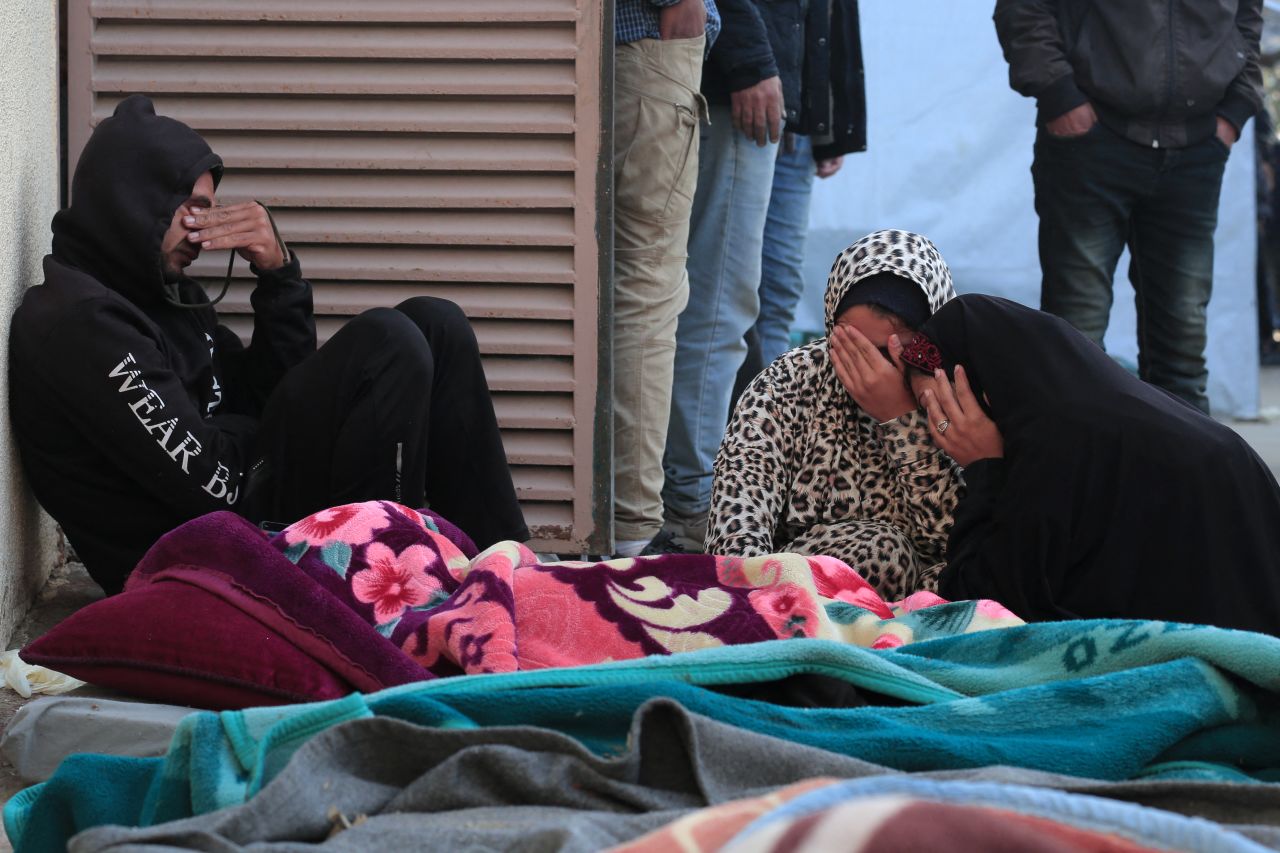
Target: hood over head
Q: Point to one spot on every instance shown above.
(134, 172)
(901, 253)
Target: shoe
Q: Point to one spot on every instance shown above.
(690, 531)
(663, 543)
(630, 547)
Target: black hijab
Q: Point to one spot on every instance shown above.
(1114, 498)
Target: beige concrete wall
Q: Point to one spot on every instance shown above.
(28, 200)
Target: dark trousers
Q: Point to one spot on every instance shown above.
(1098, 192)
(393, 407)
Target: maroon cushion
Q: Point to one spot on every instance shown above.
(231, 559)
(178, 642)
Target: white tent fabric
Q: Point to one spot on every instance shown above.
(949, 156)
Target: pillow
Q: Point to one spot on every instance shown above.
(216, 617)
(177, 642)
(234, 561)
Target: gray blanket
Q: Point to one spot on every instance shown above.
(384, 784)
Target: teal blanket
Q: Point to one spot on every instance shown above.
(1101, 699)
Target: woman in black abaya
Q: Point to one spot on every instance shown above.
(1090, 493)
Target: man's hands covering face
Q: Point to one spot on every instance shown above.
(874, 382)
(243, 227)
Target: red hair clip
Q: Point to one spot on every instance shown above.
(922, 353)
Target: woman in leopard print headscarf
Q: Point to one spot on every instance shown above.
(804, 468)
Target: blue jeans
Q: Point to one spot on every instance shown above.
(1099, 191)
(782, 261)
(735, 178)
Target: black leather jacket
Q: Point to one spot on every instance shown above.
(815, 47)
(1156, 71)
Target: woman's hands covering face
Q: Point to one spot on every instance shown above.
(874, 382)
(957, 422)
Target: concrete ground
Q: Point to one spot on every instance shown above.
(69, 588)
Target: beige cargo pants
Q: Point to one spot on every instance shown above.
(657, 107)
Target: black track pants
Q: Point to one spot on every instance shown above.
(393, 407)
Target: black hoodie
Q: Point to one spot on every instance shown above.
(132, 414)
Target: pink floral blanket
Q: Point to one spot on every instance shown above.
(421, 585)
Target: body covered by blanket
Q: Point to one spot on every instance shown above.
(371, 595)
(503, 610)
(1164, 703)
(528, 788)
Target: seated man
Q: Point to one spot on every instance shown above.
(826, 452)
(134, 411)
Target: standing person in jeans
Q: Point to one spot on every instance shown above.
(660, 45)
(1138, 106)
(752, 84)
(832, 123)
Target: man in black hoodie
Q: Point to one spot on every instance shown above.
(135, 411)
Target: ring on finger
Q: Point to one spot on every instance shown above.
(943, 424)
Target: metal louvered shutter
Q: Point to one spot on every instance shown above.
(406, 147)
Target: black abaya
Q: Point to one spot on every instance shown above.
(1114, 498)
